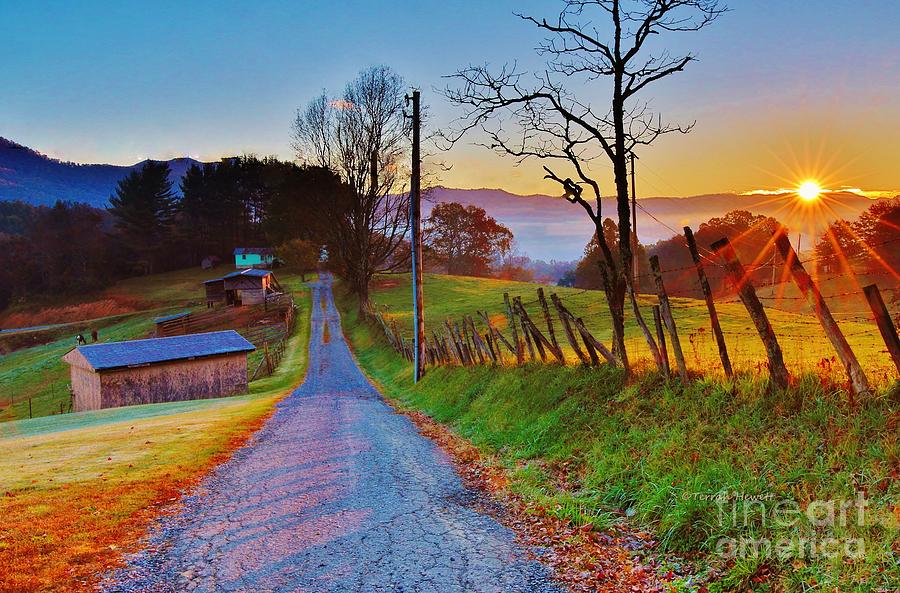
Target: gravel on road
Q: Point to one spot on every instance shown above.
(337, 493)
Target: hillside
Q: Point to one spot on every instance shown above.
(28, 175)
(585, 446)
(34, 381)
(804, 344)
(550, 228)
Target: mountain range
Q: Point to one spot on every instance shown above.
(35, 178)
(545, 227)
(553, 228)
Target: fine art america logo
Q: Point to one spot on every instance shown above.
(823, 529)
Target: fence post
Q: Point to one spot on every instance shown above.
(884, 322)
(661, 338)
(268, 359)
(736, 273)
(710, 304)
(29, 408)
(557, 351)
(517, 309)
(520, 353)
(592, 352)
(668, 318)
(809, 289)
(567, 328)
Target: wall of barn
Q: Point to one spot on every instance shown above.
(202, 378)
(86, 387)
(253, 297)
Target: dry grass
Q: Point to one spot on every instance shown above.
(78, 491)
(73, 503)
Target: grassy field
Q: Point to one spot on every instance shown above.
(37, 376)
(684, 462)
(806, 349)
(79, 490)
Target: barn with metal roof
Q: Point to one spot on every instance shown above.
(243, 287)
(194, 366)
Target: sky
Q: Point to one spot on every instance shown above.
(784, 90)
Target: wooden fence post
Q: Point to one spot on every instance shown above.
(557, 351)
(567, 328)
(661, 338)
(858, 380)
(710, 303)
(738, 276)
(592, 352)
(884, 322)
(520, 354)
(268, 359)
(29, 408)
(517, 309)
(639, 319)
(668, 318)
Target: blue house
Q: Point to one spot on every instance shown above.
(254, 257)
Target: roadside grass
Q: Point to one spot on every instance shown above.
(806, 348)
(584, 445)
(38, 374)
(80, 490)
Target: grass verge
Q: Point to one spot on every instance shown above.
(80, 490)
(693, 464)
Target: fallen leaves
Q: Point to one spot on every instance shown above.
(612, 561)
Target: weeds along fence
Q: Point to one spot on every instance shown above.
(553, 333)
(271, 345)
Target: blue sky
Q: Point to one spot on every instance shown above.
(783, 88)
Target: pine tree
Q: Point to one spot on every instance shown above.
(145, 208)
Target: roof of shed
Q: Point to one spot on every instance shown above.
(254, 272)
(254, 251)
(251, 272)
(114, 355)
(171, 317)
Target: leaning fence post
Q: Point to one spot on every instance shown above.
(520, 353)
(809, 289)
(883, 320)
(710, 304)
(668, 318)
(557, 351)
(738, 276)
(567, 328)
(517, 308)
(592, 352)
(661, 338)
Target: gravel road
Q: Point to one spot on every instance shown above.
(337, 493)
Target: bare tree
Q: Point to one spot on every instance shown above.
(363, 137)
(534, 115)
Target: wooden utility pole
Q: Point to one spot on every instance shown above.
(710, 304)
(738, 276)
(415, 224)
(820, 308)
(884, 322)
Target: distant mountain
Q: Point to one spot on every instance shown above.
(545, 227)
(549, 227)
(28, 175)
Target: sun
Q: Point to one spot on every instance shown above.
(809, 190)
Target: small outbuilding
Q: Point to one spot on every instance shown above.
(179, 368)
(254, 257)
(244, 287)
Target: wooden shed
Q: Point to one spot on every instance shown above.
(244, 287)
(195, 366)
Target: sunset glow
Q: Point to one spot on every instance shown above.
(809, 190)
